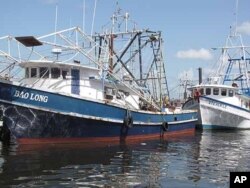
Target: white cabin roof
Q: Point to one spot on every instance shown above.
(213, 86)
(46, 63)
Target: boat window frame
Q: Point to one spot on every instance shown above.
(208, 89)
(43, 74)
(64, 76)
(246, 104)
(216, 91)
(53, 73)
(230, 92)
(223, 92)
(201, 91)
(31, 74)
(27, 72)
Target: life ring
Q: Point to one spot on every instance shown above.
(128, 120)
(164, 126)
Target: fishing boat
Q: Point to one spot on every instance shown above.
(69, 86)
(223, 101)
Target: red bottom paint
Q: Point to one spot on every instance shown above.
(112, 140)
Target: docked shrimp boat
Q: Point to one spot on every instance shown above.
(224, 101)
(85, 88)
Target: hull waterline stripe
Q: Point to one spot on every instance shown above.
(104, 139)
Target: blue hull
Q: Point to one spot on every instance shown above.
(36, 114)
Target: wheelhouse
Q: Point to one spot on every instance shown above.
(214, 90)
(56, 70)
(229, 94)
(75, 78)
(46, 72)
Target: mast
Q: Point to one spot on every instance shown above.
(56, 23)
(135, 56)
(234, 61)
(236, 16)
(93, 19)
(140, 58)
(83, 15)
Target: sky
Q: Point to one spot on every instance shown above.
(191, 28)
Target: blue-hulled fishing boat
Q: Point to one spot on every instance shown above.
(69, 86)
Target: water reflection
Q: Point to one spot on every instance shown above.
(222, 152)
(201, 160)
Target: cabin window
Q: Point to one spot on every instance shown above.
(208, 91)
(202, 91)
(33, 72)
(230, 93)
(55, 72)
(44, 72)
(27, 73)
(64, 73)
(223, 92)
(216, 91)
(246, 104)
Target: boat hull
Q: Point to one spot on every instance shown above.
(219, 115)
(35, 126)
(30, 121)
(193, 104)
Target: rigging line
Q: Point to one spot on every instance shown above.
(93, 19)
(83, 16)
(55, 23)
(127, 104)
(6, 68)
(175, 87)
(236, 16)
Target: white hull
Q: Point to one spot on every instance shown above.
(223, 100)
(193, 104)
(216, 114)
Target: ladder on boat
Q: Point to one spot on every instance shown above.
(161, 72)
(242, 77)
(103, 51)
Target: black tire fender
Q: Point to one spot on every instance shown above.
(128, 119)
(164, 126)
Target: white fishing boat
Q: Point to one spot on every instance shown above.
(223, 101)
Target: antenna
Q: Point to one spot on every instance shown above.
(55, 23)
(55, 50)
(93, 20)
(83, 16)
(236, 16)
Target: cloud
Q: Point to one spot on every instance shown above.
(195, 54)
(244, 28)
(50, 1)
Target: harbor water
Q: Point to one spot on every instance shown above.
(203, 159)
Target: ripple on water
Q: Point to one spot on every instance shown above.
(204, 160)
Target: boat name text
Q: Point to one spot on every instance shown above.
(31, 96)
(217, 104)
